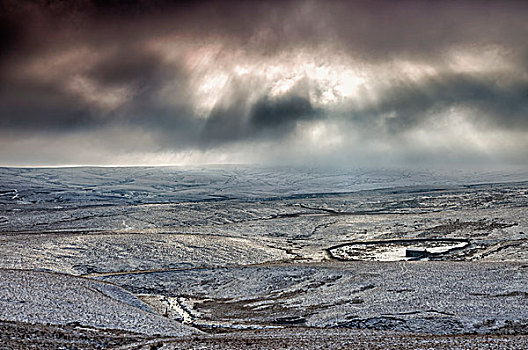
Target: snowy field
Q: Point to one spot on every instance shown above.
(240, 249)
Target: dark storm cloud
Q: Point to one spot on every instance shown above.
(380, 29)
(40, 106)
(404, 105)
(281, 112)
(266, 118)
(69, 66)
(128, 66)
(370, 28)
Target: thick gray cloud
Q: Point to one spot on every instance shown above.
(411, 103)
(40, 106)
(266, 118)
(214, 75)
(282, 112)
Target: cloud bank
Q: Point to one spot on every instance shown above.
(359, 83)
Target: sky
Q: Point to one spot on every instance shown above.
(266, 82)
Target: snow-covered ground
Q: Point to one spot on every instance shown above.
(248, 247)
(43, 297)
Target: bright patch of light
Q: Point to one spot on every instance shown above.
(486, 59)
(209, 90)
(282, 86)
(319, 137)
(325, 80)
(412, 70)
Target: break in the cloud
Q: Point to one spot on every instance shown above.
(163, 82)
